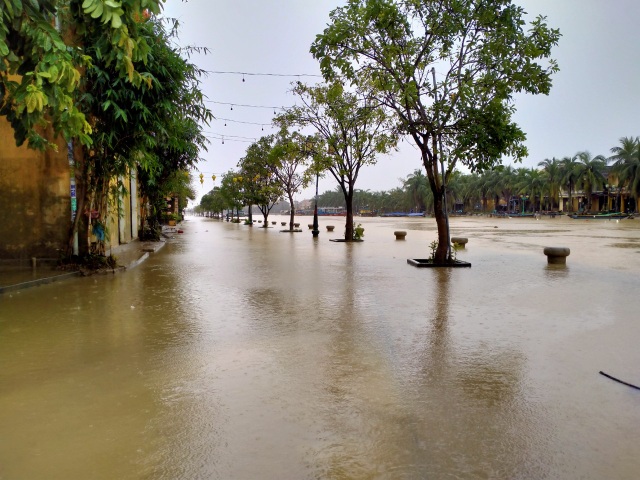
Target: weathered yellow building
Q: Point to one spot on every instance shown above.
(36, 194)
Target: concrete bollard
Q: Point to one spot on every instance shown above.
(461, 241)
(34, 262)
(273, 223)
(283, 224)
(557, 255)
(330, 228)
(310, 225)
(400, 234)
(296, 225)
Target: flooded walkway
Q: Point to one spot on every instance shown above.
(241, 353)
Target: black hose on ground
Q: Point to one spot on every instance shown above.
(619, 381)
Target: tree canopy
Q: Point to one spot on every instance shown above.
(42, 57)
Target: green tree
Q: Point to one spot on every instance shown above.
(232, 192)
(332, 198)
(152, 127)
(569, 177)
(626, 166)
(531, 184)
(417, 186)
(354, 127)
(288, 160)
(40, 65)
(553, 178)
(264, 190)
(483, 54)
(212, 202)
(590, 174)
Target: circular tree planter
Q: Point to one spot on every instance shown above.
(310, 225)
(428, 263)
(400, 234)
(283, 223)
(330, 228)
(296, 225)
(461, 241)
(273, 223)
(557, 255)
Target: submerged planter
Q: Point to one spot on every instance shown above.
(460, 241)
(557, 255)
(428, 263)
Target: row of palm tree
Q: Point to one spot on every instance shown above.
(533, 189)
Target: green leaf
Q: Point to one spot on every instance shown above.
(98, 10)
(116, 22)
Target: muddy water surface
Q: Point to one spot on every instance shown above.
(243, 353)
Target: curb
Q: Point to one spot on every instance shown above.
(38, 282)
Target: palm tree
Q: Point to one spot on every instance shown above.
(553, 175)
(590, 174)
(626, 165)
(417, 185)
(531, 182)
(568, 177)
(505, 183)
(485, 184)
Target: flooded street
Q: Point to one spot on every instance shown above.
(244, 353)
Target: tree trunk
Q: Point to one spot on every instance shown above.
(570, 198)
(443, 234)
(348, 230)
(250, 215)
(437, 189)
(292, 212)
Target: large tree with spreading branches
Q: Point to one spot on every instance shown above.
(449, 70)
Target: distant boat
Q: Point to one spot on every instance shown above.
(402, 214)
(600, 216)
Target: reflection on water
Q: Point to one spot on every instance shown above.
(241, 352)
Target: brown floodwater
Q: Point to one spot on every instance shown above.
(244, 353)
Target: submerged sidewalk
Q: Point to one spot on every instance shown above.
(25, 275)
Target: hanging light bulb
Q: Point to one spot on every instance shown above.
(223, 140)
(225, 124)
(213, 177)
(231, 107)
(243, 77)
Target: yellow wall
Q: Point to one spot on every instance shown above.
(35, 204)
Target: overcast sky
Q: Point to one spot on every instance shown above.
(595, 99)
